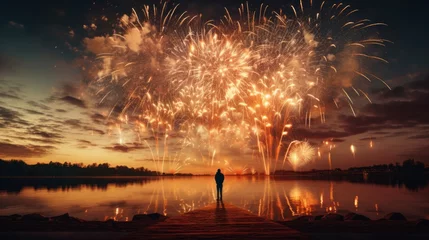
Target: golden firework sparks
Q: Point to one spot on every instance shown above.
(241, 82)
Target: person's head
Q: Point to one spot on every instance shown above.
(218, 170)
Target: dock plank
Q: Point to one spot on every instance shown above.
(217, 221)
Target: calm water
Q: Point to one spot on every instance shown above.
(278, 199)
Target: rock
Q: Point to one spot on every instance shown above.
(66, 218)
(146, 217)
(110, 222)
(34, 217)
(13, 217)
(318, 217)
(333, 217)
(74, 219)
(355, 217)
(140, 217)
(156, 216)
(395, 216)
(422, 223)
(303, 219)
(61, 218)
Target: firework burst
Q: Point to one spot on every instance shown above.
(300, 154)
(241, 82)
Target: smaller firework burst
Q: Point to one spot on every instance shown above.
(300, 154)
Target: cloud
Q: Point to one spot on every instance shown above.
(35, 130)
(38, 140)
(7, 64)
(73, 123)
(422, 84)
(98, 118)
(15, 24)
(31, 111)
(400, 109)
(319, 134)
(101, 132)
(309, 39)
(34, 112)
(38, 105)
(401, 112)
(60, 110)
(380, 133)
(418, 153)
(9, 150)
(133, 38)
(73, 101)
(420, 136)
(124, 148)
(9, 89)
(85, 143)
(396, 93)
(396, 134)
(338, 140)
(11, 118)
(367, 138)
(70, 89)
(9, 95)
(151, 160)
(77, 124)
(98, 45)
(405, 108)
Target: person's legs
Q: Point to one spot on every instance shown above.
(217, 191)
(220, 190)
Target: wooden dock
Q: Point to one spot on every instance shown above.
(216, 221)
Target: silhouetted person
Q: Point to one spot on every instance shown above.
(219, 177)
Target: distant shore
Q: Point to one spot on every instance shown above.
(409, 169)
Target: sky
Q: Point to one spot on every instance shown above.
(48, 114)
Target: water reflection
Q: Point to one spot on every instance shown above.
(220, 213)
(278, 199)
(279, 202)
(16, 185)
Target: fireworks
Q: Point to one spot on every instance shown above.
(236, 170)
(353, 150)
(300, 154)
(234, 84)
(356, 202)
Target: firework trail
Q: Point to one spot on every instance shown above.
(236, 170)
(353, 150)
(245, 81)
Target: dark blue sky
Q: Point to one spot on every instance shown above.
(47, 21)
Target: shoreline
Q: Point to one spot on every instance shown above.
(328, 223)
(214, 222)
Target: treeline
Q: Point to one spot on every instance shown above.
(408, 167)
(20, 168)
(411, 174)
(17, 184)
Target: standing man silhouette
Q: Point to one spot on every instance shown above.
(219, 177)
